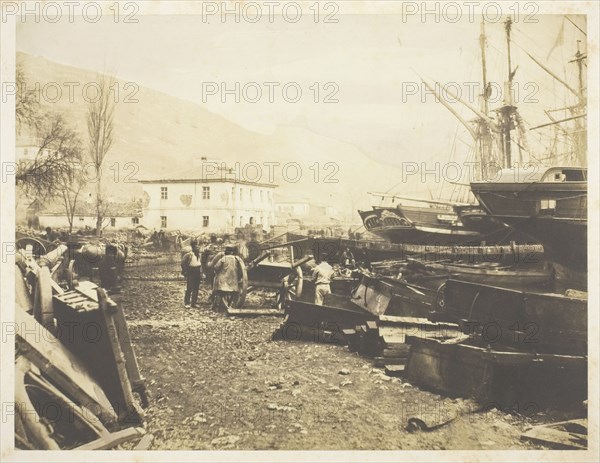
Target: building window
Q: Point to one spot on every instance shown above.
(164, 193)
(113, 222)
(261, 196)
(135, 221)
(163, 221)
(241, 194)
(205, 192)
(205, 221)
(81, 219)
(241, 219)
(251, 221)
(269, 196)
(25, 152)
(251, 195)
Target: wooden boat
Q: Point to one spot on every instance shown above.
(530, 321)
(549, 204)
(497, 377)
(435, 224)
(492, 273)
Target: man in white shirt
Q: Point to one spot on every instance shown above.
(322, 275)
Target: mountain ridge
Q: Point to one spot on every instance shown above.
(161, 133)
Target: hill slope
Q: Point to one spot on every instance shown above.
(161, 133)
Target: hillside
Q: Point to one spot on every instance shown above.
(161, 133)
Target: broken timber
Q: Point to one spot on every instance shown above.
(93, 327)
(62, 366)
(571, 434)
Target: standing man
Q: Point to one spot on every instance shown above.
(322, 275)
(226, 283)
(191, 269)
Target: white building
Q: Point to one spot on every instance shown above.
(118, 216)
(206, 200)
(304, 210)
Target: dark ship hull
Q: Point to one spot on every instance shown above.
(419, 225)
(551, 208)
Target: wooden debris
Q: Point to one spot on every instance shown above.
(61, 366)
(131, 409)
(254, 312)
(564, 435)
(43, 309)
(394, 370)
(145, 442)
(107, 347)
(114, 439)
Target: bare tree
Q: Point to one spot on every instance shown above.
(27, 102)
(100, 117)
(58, 155)
(72, 185)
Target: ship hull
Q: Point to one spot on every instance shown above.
(416, 225)
(555, 214)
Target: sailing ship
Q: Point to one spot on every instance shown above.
(549, 203)
(440, 222)
(546, 204)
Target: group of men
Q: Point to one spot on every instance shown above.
(224, 266)
(226, 278)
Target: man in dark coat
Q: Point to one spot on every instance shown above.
(191, 269)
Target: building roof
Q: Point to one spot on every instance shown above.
(200, 174)
(82, 208)
(282, 198)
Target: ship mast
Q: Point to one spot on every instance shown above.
(508, 109)
(580, 110)
(576, 112)
(485, 136)
(482, 43)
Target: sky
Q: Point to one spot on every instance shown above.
(365, 64)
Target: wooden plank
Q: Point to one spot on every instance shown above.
(391, 341)
(145, 442)
(61, 366)
(131, 364)
(371, 325)
(131, 405)
(56, 287)
(23, 298)
(381, 362)
(88, 288)
(255, 312)
(396, 353)
(555, 438)
(81, 410)
(43, 309)
(113, 439)
(413, 321)
(394, 370)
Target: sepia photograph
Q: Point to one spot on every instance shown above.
(246, 230)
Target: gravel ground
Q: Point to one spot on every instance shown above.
(217, 382)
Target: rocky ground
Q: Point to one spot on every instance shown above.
(217, 382)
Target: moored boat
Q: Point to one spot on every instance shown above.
(550, 205)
